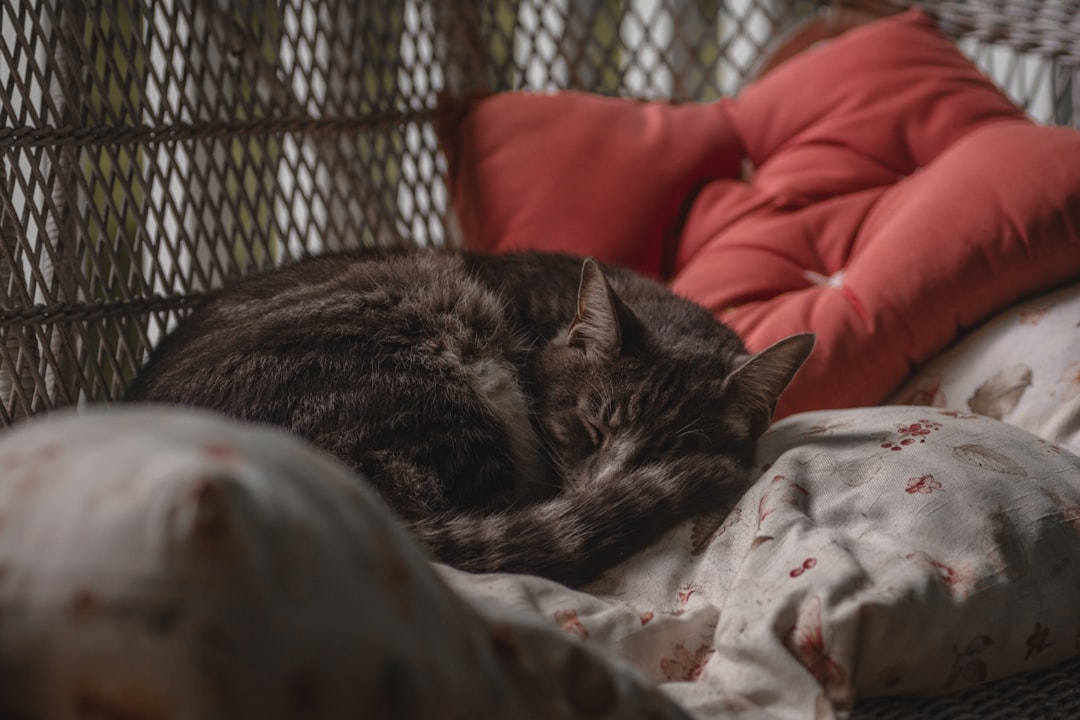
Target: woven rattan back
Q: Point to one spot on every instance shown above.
(153, 149)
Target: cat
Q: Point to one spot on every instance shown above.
(534, 413)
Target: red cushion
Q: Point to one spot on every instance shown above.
(580, 173)
(897, 197)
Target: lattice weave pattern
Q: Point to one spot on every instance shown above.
(153, 149)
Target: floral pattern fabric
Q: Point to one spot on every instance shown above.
(168, 563)
(1023, 367)
(881, 551)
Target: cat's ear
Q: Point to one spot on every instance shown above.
(756, 384)
(603, 323)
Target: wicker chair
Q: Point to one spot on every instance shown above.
(153, 150)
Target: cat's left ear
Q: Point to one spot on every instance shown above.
(603, 323)
(756, 384)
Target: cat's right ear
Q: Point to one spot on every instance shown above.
(756, 385)
(602, 322)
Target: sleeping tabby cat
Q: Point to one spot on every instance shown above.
(531, 413)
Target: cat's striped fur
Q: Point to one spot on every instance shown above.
(530, 413)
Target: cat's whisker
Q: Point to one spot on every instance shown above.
(555, 457)
(690, 429)
(550, 449)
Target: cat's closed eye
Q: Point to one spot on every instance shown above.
(577, 435)
(599, 432)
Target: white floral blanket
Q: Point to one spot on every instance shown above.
(887, 550)
(158, 562)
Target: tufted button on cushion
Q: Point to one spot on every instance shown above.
(884, 159)
(896, 197)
